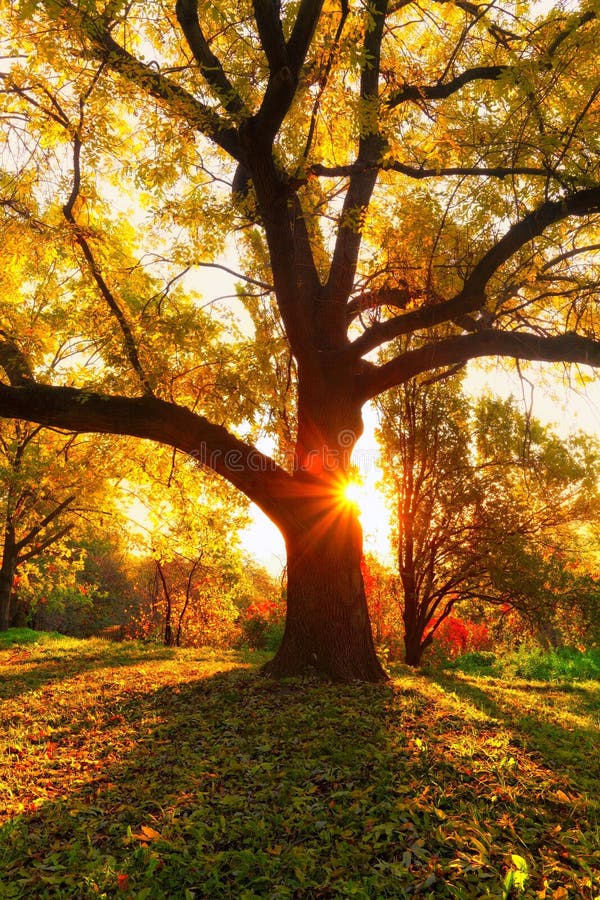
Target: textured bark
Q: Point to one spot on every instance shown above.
(327, 625)
(7, 574)
(8, 568)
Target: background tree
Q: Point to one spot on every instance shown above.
(395, 168)
(44, 489)
(488, 505)
(429, 473)
(541, 514)
(189, 532)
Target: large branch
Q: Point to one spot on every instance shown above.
(580, 203)
(568, 348)
(256, 475)
(362, 182)
(421, 172)
(149, 80)
(302, 32)
(212, 70)
(45, 543)
(268, 23)
(441, 91)
(397, 297)
(413, 92)
(13, 361)
(284, 69)
(472, 297)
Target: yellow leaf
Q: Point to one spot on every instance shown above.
(146, 834)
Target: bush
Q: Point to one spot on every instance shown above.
(261, 625)
(563, 664)
(478, 662)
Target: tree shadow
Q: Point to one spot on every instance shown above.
(233, 785)
(550, 731)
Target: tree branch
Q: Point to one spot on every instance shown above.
(283, 70)
(256, 475)
(111, 301)
(420, 172)
(43, 523)
(212, 70)
(472, 297)
(150, 81)
(416, 93)
(302, 33)
(398, 297)
(270, 32)
(47, 542)
(14, 362)
(362, 181)
(569, 348)
(535, 223)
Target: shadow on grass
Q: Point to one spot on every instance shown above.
(235, 786)
(548, 728)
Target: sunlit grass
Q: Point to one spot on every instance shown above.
(153, 772)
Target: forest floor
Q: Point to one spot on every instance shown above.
(146, 772)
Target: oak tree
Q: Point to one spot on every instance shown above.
(381, 169)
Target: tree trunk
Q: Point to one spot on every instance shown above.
(7, 576)
(414, 644)
(327, 626)
(413, 648)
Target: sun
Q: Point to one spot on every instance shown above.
(354, 493)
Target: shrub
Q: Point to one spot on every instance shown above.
(261, 625)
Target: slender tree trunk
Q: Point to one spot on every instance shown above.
(327, 624)
(168, 629)
(414, 645)
(7, 576)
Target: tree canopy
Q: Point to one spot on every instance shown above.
(374, 171)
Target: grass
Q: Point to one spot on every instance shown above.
(562, 664)
(147, 772)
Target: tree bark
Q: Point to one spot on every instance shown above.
(7, 575)
(327, 623)
(413, 648)
(413, 632)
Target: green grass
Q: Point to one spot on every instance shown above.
(562, 664)
(146, 772)
(22, 636)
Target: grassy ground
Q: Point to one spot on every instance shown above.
(152, 773)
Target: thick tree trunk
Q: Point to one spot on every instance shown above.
(7, 575)
(327, 624)
(5, 594)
